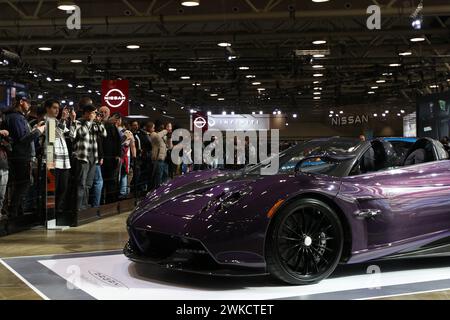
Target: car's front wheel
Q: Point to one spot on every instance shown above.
(305, 242)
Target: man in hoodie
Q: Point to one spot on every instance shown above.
(22, 137)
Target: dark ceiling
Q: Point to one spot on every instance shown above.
(264, 35)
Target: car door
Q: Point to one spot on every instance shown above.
(409, 203)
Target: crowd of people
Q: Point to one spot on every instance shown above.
(98, 157)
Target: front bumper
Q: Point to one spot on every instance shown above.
(179, 253)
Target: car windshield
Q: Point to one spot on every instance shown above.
(314, 156)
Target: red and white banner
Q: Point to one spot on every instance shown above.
(115, 96)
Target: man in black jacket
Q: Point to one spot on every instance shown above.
(112, 150)
(19, 159)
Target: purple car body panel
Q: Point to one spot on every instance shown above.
(414, 204)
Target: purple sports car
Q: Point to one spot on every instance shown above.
(334, 200)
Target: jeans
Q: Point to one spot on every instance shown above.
(97, 187)
(160, 173)
(3, 185)
(20, 173)
(123, 184)
(84, 178)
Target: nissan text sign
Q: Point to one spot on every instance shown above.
(115, 96)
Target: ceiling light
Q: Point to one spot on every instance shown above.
(320, 42)
(371, 92)
(417, 39)
(40, 96)
(317, 93)
(232, 57)
(250, 76)
(196, 84)
(142, 105)
(224, 44)
(405, 53)
(331, 111)
(66, 5)
(90, 91)
(70, 85)
(434, 86)
(294, 115)
(316, 82)
(341, 112)
(375, 115)
(318, 75)
(279, 112)
(133, 46)
(399, 115)
(244, 68)
(373, 88)
(221, 99)
(316, 98)
(417, 23)
(214, 94)
(317, 88)
(383, 115)
(330, 116)
(261, 89)
(190, 3)
(256, 83)
(209, 113)
(232, 113)
(192, 111)
(80, 86)
(185, 77)
(76, 61)
(319, 56)
(381, 81)
(70, 103)
(224, 113)
(387, 112)
(58, 80)
(402, 111)
(49, 79)
(319, 1)
(260, 112)
(274, 113)
(317, 66)
(395, 65)
(172, 69)
(45, 49)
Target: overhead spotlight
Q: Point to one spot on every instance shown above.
(279, 112)
(253, 112)
(214, 94)
(142, 105)
(417, 23)
(417, 39)
(244, 68)
(70, 85)
(319, 1)
(375, 115)
(341, 112)
(381, 81)
(76, 61)
(287, 124)
(40, 96)
(49, 79)
(399, 115)
(221, 99)
(317, 66)
(395, 65)
(318, 56)
(318, 88)
(192, 111)
(209, 113)
(316, 82)
(261, 89)
(133, 47)
(172, 69)
(294, 116)
(317, 42)
(185, 77)
(405, 53)
(317, 93)
(316, 98)
(331, 111)
(190, 3)
(256, 83)
(66, 5)
(232, 113)
(318, 75)
(371, 92)
(250, 76)
(224, 44)
(274, 113)
(45, 49)
(374, 87)
(224, 113)
(260, 112)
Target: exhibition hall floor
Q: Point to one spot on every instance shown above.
(86, 263)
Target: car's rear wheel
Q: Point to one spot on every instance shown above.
(305, 242)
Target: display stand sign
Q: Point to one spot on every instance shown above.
(115, 95)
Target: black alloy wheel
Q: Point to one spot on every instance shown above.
(305, 242)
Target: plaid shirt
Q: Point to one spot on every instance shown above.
(85, 135)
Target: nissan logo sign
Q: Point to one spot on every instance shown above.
(200, 122)
(115, 98)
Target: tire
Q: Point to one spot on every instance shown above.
(305, 242)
